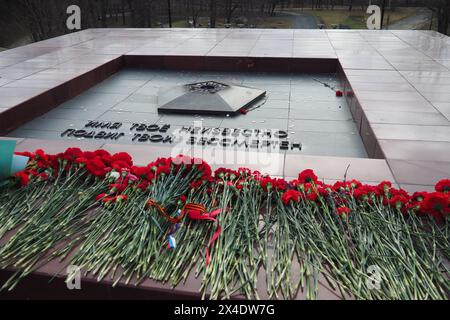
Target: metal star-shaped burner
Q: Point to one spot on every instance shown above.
(207, 97)
(207, 87)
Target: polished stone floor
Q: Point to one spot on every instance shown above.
(299, 104)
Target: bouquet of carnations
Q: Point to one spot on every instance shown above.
(240, 230)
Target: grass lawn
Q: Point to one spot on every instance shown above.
(356, 19)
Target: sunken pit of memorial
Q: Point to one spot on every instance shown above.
(248, 111)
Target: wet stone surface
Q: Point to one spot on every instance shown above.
(298, 115)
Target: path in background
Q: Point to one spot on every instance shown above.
(418, 21)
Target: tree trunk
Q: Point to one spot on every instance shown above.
(103, 10)
(228, 11)
(443, 20)
(212, 13)
(149, 13)
(133, 16)
(124, 19)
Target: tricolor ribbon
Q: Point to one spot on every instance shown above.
(172, 243)
(173, 229)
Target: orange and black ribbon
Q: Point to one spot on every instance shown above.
(194, 211)
(198, 212)
(152, 203)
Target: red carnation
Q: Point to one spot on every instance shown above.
(108, 199)
(204, 168)
(266, 183)
(384, 186)
(81, 160)
(43, 176)
(42, 159)
(121, 197)
(365, 191)
(340, 185)
(414, 206)
(123, 156)
(324, 190)
(342, 210)
(72, 153)
(244, 172)
(399, 192)
(419, 196)
(100, 196)
(162, 162)
(290, 195)
(226, 173)
(120, 165)
(150, 176)
(398, 202)
(89, 155)
(307, 176)
(280, 184)
(443, 186)
(163, 170)
(101, 153)
(139, 171)
(143, 185)
(436, 204)
(294, 183)
(118, 187)
(23, 177)
(183, 198)
(96, 167)
(354, 184)
(312, 196)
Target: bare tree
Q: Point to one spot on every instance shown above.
(442, 10)
(230, 7)
(212, 13)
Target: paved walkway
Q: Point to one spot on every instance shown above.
(417, 21)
